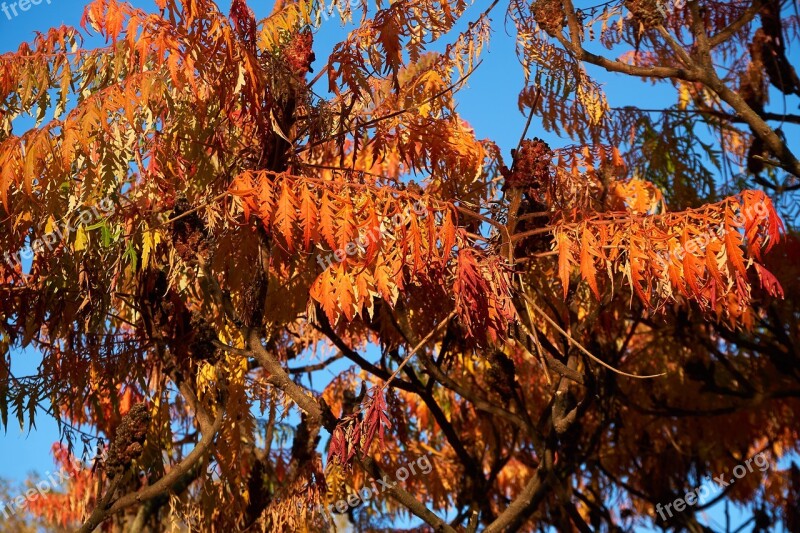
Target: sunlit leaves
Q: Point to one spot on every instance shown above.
(286, 214)
(367, 239)
(700, 255)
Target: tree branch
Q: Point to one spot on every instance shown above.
(404, 497)
(280, 378)
(530, 497)
(726, 33)
(102, 511)
(760, 128)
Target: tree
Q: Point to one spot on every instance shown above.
(204, 237)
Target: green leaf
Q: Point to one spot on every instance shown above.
(131, 256)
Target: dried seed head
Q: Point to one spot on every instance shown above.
(298, 53)
(532, 165)
(127, 445)
(189, 234)
(251, 305)
(649, 12)
(202, 346)
(549, 15)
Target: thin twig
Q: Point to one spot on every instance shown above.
(422, 343)
(397, 113)
(580, 346)
(534, 336)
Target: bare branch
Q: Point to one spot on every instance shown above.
(404, 497)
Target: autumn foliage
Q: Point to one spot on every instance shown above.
(294, 295)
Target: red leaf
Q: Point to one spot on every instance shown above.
(338, 446)
(769, 282)
(376, 421)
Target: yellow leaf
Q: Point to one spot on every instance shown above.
(206, 376)
(277, 128)
(150, 241)
(684, 96)
(80, 240)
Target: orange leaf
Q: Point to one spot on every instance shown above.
(385, 283)
(588, 270)
(371, 232)
(733, 241)
(447, 234)
(286, 214)
(345, 293)
(266, 199)
(327, 226)
(691, 272)
(345, 227)
(323, 290)
(564, 248)
(308, 215)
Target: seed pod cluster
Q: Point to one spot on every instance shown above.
(127, 445)
(501, 375)
(251, 305)
(532, 165)
(298, 53)
(203, 336)
(189, 234)
(649, 13)
(549, 15)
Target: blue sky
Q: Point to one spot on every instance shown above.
(488, 103)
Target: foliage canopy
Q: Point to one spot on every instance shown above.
(573, 335)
